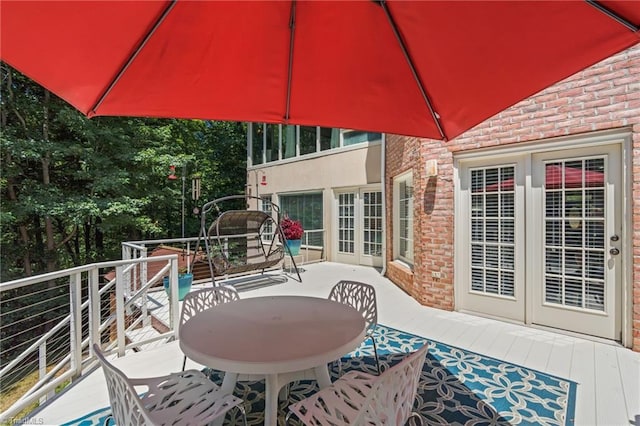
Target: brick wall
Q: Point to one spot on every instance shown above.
(604, 96)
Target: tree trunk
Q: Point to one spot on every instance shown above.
(46, 181)
(11, 191)
(99, 239)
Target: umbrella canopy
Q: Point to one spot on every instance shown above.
(431, 69)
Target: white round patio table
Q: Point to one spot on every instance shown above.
(283, 338)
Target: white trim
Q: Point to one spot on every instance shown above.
(626, 153)
(383, 189)
(549, 144)
(334, 151)
(396, 218)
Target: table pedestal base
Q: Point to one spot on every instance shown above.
(273, 384)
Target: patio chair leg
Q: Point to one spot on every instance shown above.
(287, 417)
(375, 353)
(184, 362)
(244, 414)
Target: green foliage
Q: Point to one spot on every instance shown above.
(91, 184)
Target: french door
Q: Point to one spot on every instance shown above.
(493, 229)
(578, 263)
(359, 227)
(541, 237)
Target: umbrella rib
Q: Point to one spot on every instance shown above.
(133, 56)
(292, 28)
(619, 18)
(407, 56)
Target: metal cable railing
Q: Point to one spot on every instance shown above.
(49, 321)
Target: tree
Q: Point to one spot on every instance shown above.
(73, 189)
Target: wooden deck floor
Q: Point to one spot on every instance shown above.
(608, 375)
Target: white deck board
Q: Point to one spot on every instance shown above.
(583, 371)
(630, 376)
(610, 407)
(608, 388)
(559, 361)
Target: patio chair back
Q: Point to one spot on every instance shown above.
(360, 296)
(187, 398)
(391, 401)
(126, 406)
(200, 300)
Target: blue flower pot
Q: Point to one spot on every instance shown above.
(293, 247)
(184, 285)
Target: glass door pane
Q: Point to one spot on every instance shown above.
(574, 197)
(493, 231)
(346, 223)
(372, 223)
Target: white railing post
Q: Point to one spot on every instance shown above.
(94, 307)
(42, 367)
(120, 314)
(146, 318)
(173, 299)
(75, 294)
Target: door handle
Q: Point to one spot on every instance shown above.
(614, 251)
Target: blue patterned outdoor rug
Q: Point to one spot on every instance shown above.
(457, 387)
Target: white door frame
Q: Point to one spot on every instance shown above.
(622, 137)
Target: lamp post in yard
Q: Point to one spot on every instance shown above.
(195, 191)
(172, 176)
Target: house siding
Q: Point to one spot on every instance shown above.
(602, 97)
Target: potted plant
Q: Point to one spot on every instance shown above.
(292, 230)
(185, 279)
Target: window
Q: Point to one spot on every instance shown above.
(307, 140)
(403, 218)
(307, 208)
(329, 138)
(265, 143)
(289, 142)
(265, 206)
(273, 142)
(352, 137)
(257, 140)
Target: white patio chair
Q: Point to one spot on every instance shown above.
(198, 301)
(186, 398)
(359, 398)
(362, 297)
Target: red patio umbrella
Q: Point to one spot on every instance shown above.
(425, 68)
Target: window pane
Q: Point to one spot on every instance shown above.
(273, 134)
(574, 233)
(265, 206)
(329, 138)
(289, 141)
(352, 137)
(307, 140)
(403, 236)
(372, 244)
(492, 222)
(307, 208)
(257, 140)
